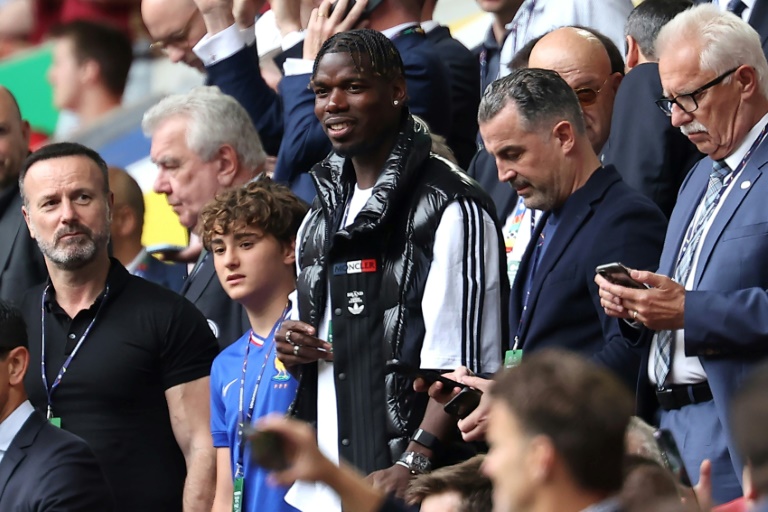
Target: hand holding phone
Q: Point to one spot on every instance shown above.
(428, 376)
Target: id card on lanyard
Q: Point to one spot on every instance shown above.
(244, 416)
(54, 420)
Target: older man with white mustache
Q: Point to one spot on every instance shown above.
(710, 316)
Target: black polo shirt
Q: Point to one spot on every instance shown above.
(145, 340)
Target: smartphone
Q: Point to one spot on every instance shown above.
(671, 456)
(617, 273)
(429, 376)
(464, 403)
(164, 248)
(372, 4)
(267, 450)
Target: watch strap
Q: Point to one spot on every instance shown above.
(426, 439)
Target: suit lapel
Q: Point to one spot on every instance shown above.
(749, 176)
(199, 279)
(10, 225)
(18, 449)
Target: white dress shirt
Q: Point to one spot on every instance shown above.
(10, 427)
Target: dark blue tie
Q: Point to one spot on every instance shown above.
(736, 7)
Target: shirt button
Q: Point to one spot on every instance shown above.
(345, 442)
(337, 311)
(71, 336)
(342, 376)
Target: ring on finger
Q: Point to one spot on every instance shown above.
(296, 350)
(634, 315)
(288, 336)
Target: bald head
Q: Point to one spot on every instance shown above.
(127, 195)
(14, 139)
(583, 62)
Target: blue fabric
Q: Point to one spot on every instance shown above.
(170, 275)
(275, 394)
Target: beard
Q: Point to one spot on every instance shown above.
(73, 253)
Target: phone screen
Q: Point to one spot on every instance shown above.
(618, 274)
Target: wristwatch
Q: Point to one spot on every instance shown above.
(426, 439)
(416, 463)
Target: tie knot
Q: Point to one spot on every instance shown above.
(720, 169)
(736, 7)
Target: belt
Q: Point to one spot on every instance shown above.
(677, 397)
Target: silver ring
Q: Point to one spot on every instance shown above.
(296, 350)
(634, 315)
(288, 337)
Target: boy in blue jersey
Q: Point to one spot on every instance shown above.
(251, 232)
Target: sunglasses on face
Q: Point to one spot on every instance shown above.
(588, 96)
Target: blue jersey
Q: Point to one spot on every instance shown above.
(275, 394)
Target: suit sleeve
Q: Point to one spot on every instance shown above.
(634, 236)
(73, 482)
(239, 76)
(429, 93)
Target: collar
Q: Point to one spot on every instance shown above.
(734, 159)
(13, 423)
(490, 43)
(429, 25)
(116, 279)
(134, 264)
(608, 505)
(393, 31)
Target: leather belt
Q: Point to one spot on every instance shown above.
(677, 397)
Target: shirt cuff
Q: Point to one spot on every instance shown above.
(291, 39)
(297, 67)
(214, 48)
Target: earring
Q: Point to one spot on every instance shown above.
(395, 103)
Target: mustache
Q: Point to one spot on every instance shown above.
(75, 227)
(519, 182)
(693, 127)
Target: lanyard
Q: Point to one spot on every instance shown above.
(689, 234)
(49, 390)
(244, 416)
(529, 284)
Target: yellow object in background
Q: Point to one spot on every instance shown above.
(161, 224)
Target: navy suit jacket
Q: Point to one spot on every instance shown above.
(464, 71)
(169, 275)
(652, 156)
(483, 170)
(240, 77)
(726, 312)
(304, 141)
(47, 469)
(227, 318)
(602, 222)
(21, 263)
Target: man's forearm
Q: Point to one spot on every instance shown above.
(200, 485)
(438, 423)
(356, 494)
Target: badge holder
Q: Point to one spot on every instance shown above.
(513, 358)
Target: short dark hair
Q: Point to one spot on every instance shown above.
(466, 479)
(382, 55)
(262, 203)
(523, 55)
(540, 95)
(582, 408)
(644, 478)
(13, 329)
(62, 150)
(107, 46)
(749, 416)
(647, 19)
(614, 54)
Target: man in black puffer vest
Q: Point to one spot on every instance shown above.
(400, 257)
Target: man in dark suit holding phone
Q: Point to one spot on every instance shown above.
(41, 466)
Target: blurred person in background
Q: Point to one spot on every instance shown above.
(458, 488)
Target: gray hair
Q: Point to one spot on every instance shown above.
(215, 119)
(541, 96)
(723, 39)
(640, 441)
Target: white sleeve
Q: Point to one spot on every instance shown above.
(462, 295)
(297, 66)
(222, 45)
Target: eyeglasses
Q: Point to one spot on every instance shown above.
(588, 96)
(687, 102)
(178, 38)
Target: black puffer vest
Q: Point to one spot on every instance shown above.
(377, 268)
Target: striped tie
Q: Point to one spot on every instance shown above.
(664, 340)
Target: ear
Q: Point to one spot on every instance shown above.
(399, 92)
(541, 458)
(227, 165)
(750, 493)
(25, 213)
(89, 72)
(289, 253)
(633, 53)
(26, 132)
(18, 361)
(565, 135)
(616, 79)
(747, 78)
